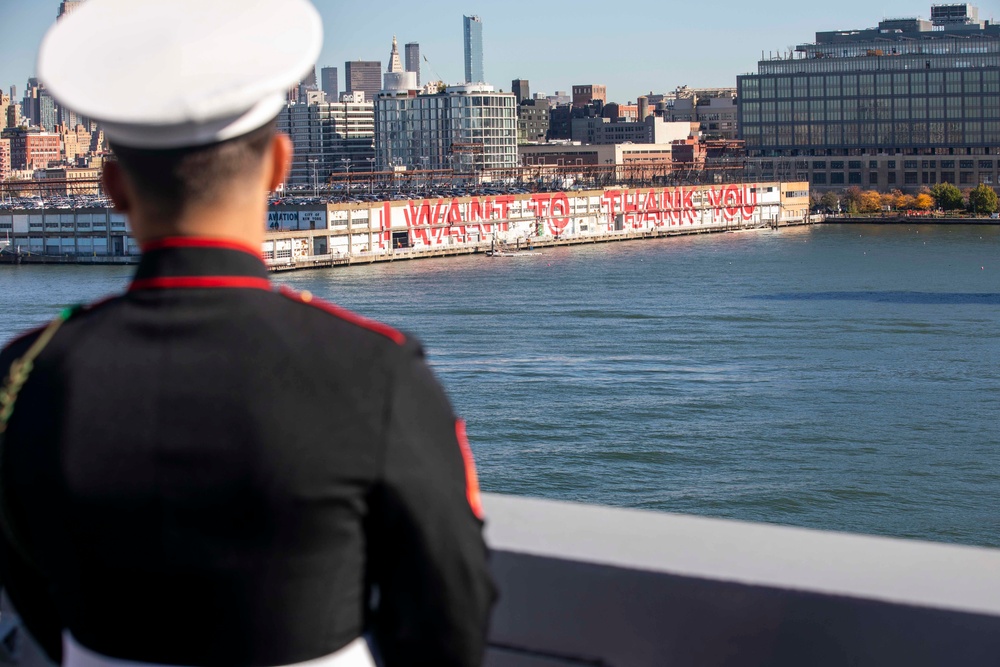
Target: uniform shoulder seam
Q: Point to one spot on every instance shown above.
(20, 338)
(308, 299)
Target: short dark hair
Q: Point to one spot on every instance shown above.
(175, 179)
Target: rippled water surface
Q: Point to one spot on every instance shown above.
(845, 378)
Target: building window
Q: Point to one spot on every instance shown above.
(836, 164)
(819, 179)
(854, 164)
(910, 178)
(854, 178)
(986, 164)
(873, 164)
(819, 164)
(891, 178)
(836, 179)
(965, 178)
(873, 178)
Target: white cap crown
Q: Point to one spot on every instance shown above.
(177, 73)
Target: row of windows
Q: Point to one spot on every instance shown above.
(873, 134)
(891, 164)
(937, 47)
(877, 64)
(853, 85)
(951, 108)
(909, 178)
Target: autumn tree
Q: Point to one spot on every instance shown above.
(947, 197)
(905, 202)
(871, 202)
(923, 202)
(983, 200)
(889, 199)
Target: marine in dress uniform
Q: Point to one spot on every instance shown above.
(207, 470)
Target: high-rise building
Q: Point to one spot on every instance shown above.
(309, 82)
(363, 76)
(521, 88)
(68, 7)
(4, 159)
(714, 109)
(473, 31)
(4, 106)
(532, 121)
(413, 59)
(466, 128)
(328, 76)
(328, 137)
(30, 105)
(48, 111)
(911, 102)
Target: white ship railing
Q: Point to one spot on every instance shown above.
(588, 585)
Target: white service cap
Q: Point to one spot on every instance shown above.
(164, 74)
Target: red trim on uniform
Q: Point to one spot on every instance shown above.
(371, 325)
(200, 282)
(471, 480)
(200, 242)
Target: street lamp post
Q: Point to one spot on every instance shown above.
(347, 167)
(312, 164)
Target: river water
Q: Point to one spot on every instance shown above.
(836, 377)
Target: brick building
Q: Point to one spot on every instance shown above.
(33, 148)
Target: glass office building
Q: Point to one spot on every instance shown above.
(909, 87)
(473, 29)
(466, 128)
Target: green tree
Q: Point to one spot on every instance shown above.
(830, 201)
(947, 196)
(983, 200)
(851, 201)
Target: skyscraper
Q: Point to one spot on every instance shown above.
(473, 49)
(68, 6)
(328, 75)
(309, 82)
(363, 76)
(413, 59)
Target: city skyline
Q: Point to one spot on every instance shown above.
(671, 48)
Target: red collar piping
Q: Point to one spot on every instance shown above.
(200, 282)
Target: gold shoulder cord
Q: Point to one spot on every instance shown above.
(20, 370)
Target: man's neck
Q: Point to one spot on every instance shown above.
(240, 224)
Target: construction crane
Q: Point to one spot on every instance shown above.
(433, 71)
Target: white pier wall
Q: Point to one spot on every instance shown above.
(584, 585)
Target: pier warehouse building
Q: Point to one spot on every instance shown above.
(910, 103)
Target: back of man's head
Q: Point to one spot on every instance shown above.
(173, 181)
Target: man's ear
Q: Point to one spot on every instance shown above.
(113, 181)
(281, 160)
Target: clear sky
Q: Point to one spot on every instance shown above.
(631, 47)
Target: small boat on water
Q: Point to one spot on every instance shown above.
(504, 249)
